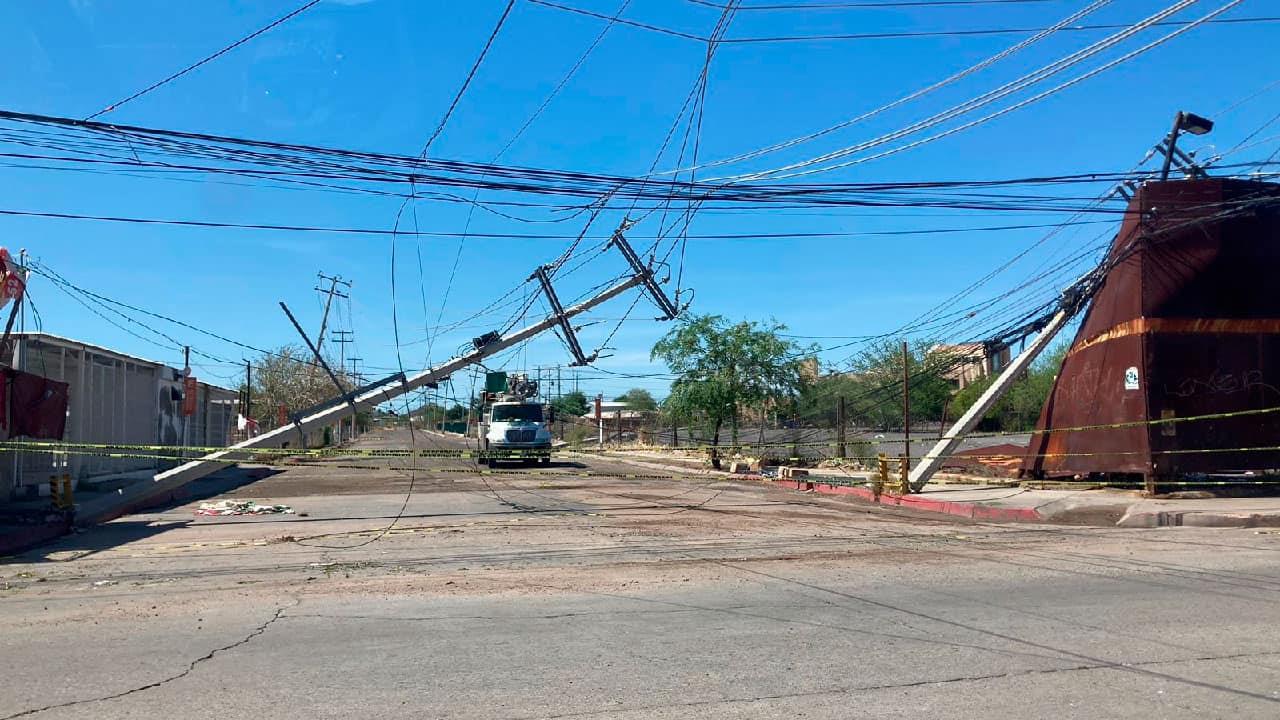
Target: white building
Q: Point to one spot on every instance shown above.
(115, 399)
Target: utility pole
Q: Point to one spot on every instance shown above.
(1182, 121)
(342, 338)
(186, 373)
(840, 422)
(1073, 299)
(355, 378)
(332, 291)
(600, 419)
(21, 307)
(248, 389)
(906, 403)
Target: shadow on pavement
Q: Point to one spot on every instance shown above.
(213, 485)
(102, 537)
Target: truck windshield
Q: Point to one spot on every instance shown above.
(508, 413)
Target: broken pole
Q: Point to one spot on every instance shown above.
(368, 399)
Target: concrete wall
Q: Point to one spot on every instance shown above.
(114, 399)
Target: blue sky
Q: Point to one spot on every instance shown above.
(378, 75)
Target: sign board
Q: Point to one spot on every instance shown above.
(598, 399)
(1131, 379)
(189, 392)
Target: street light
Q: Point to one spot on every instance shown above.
(1190, 122)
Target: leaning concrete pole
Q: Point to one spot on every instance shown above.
(933, 460)
(171, 479)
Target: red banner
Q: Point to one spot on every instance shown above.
(189, 391)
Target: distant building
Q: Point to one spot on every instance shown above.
(809, 369)
(115, 399)
(619, 422)
(970, 362)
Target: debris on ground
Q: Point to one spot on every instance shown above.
(242, 507)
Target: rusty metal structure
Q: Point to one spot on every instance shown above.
(1185, 322)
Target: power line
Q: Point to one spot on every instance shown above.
(977, 32)
(620, 21)
(573, 70)
(1026, 80)
(519, 236)
(466, 83)
(955, 77)
(44, 270)
(113, 106)
(1018, 105)
(395, 323)
(871, 5)
(888, 35)
(296, 161)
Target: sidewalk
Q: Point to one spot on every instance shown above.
(1003, 501)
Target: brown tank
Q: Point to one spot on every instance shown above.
(1186, 323)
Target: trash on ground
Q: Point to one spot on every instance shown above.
(242, 507)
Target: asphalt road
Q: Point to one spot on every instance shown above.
(582, 593)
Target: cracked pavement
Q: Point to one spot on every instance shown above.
(558, 596)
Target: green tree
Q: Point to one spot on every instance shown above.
(638, 399)
(873, 388)
(572, 404)
(723, 368)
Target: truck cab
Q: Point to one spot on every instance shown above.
(517, 425)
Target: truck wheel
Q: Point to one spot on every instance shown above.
(483, 460)
(544, 460)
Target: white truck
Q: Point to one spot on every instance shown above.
(513, 422)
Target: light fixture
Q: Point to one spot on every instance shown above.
(1190, 122)
(1195, 124)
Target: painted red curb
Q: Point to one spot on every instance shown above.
(24, 538)
(977, 511)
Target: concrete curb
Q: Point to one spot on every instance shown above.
(1141, 518)
(973, 510)
(27, 537)
(1061, 511)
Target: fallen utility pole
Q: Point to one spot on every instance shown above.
(933, 460)
(1073, 300)
(314, 350)
(282, 436)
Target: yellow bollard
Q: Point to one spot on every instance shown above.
(68, 491)
(881, 476)
(904, 470)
